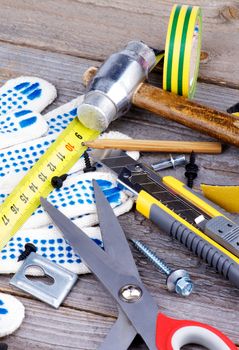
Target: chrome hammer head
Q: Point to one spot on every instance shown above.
(109, 93)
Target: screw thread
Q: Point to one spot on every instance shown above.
(88, 166)
(57, 181)
(192, 157)
(159, 263)
(190, 181)
(29, 247)
(169, 163)
(63, 177)
(191, 170)
(87, 159)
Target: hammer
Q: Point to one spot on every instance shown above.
(119, 82)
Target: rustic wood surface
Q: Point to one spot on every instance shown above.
(93, 29)
(58, 41)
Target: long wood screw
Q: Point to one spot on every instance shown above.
(177, 280)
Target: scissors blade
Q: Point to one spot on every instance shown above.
(121, 334)
(94, 257)
(115, 242)
(143, 313)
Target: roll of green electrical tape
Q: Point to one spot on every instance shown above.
(182, 51)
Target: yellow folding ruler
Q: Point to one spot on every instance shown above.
(57, 160)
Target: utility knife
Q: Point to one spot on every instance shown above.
(182, 213)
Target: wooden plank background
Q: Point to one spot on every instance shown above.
(58, 41)
(93, 29)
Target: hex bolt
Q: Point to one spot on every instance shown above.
(29, 248)
(169, 163)
(178, 281)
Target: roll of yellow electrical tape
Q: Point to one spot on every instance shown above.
(182, 51)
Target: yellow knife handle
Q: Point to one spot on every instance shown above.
(195, 240)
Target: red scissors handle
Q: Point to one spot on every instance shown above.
(172, 334)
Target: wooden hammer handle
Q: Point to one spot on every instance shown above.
(220, 125)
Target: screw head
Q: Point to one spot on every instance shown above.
(30, 247)
(57, 181)
(137, 167)
(184, 286)
(126, 175)
(130, 293)
(89, 169)
(179, 281)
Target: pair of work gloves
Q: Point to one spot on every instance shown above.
(25, 134)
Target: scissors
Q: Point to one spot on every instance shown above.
(116, 269)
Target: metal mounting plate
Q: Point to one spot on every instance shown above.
(52, 294)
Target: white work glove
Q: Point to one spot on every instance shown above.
(21, 101)
(12, 313)
(74, 199)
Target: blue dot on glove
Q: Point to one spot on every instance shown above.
(3, 311)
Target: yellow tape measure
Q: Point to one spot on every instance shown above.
(182, 50)
(57, 160)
